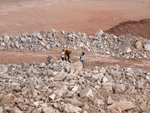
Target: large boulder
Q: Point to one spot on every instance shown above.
(122, 105)
(50, 110)
(16, 110)
(7, 99)
(119, 88)
(60, 76)
(99, 33)
(69, 108)
(110, 100)
(128, 50)
(6, 38)
(1, 110)
(77, 66)
(147, 47)
(86, 92)
(51, 59)
(139, 45)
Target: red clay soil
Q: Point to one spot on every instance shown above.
(25, 16)
(137, 28)
(94, 59)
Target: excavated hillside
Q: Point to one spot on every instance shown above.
(34, 79)
(137, 28)
(116, 78)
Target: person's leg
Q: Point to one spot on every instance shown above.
(65, 58)
(68, 58)
(83, 63)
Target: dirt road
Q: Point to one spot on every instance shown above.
(94, 59)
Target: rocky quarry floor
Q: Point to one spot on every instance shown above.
(116, 78)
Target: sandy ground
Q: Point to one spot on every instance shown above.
(24, 16)
(94, 59)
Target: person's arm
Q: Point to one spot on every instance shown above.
(85, 57)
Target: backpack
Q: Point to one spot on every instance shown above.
(68, 51)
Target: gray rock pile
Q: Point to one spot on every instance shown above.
(123, 46)
(61, 87)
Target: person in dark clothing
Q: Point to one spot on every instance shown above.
(67, 54)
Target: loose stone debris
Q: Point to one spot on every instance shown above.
(123, 46)
(62, 87)
(55, 88)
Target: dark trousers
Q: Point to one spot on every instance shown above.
(68, 57)
(63, 58)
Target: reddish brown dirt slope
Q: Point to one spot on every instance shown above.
(25, 16)
(137, 28)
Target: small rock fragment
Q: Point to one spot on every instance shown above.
(110, 100)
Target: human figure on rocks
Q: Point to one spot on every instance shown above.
(63, 55)
(83, 58)
(67, 54)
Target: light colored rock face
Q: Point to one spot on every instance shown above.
(51, 59)
(75, 89)
(7, 99)
(99, 33)
(122, 106)
(60, 88)
(15, 110)
(77, 66)
(50, 110)
(99, 102)
(6, 38)
(147, 47)
(52, 96)
(1, 110)
(139, 45)
(69, 108)
(60, 77)
(110, 100)
(103, 43)
(87, 92)
(119, 88)
(128, 50)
